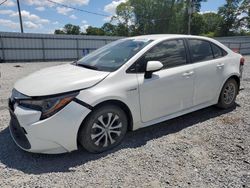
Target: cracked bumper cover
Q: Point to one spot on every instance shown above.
(56, 134)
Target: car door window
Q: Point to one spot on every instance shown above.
(170, 53)
(218, 52)
(200, 50)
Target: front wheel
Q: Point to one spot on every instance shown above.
(104, 129)
(228, 94)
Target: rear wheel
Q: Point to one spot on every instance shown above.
(104, 129)
(228, 94)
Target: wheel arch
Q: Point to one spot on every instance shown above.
(236, 77)
(123, 106)
(116, 102)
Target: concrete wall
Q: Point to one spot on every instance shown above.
(47, 47)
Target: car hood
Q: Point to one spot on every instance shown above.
(59, 79)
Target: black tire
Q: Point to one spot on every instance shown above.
(227, 100)
(114, 133)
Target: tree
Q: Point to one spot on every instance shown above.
(157, 16)
(197, 24)
(72, 29)
(94, 31)
(69, 29)
(109, 29)
(212, 21)
(229, 13)
(138, 17)
(124, 16)
(59, 32)
(244, 10)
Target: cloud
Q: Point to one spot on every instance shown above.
(55, 23)
(73, 17)
(84, 27)
(30, 21)
(9, 24)
(111, 7)
(39, 3)
(206, 12)
(26, 15)
(7, 12)
(63, 10)
(31, 25)
(9, 3)
(40, 9)
(84, 22)
(107, 19)
(49, 4)
(31, 17)
(74, 2)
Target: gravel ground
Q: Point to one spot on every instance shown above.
(207, 148)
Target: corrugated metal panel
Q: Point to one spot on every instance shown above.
(59, 43)
(22, 55)
(22, 43)
(61, 54)
(91, 43)
(29, 46)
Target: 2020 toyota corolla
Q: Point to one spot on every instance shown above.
(126, 85)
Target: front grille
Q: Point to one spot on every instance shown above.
(18, 132)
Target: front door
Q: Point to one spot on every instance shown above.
(171, 89)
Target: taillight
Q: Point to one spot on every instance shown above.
(242, 61)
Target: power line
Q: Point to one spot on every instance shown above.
(81, 10)
(3, 2)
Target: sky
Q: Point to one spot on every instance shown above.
(42, 16)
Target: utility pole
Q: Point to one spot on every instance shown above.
(190, 11)
(189, 22)
(20, 16)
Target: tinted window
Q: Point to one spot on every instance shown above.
(170, 53)
(218, 52)
(200, 50)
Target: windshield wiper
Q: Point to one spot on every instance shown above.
(87, 66)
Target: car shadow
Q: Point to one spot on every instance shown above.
(13, 157)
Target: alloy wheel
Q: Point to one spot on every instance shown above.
(106, 129)
(229, 93)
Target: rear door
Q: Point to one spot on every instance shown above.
(208, 67)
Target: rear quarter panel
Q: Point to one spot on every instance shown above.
(231, 68)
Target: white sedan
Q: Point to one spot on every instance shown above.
(126, 85)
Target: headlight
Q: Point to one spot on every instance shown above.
(48, 106)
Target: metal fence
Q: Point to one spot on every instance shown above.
(240, 47)
(46, 47)
(240, 44)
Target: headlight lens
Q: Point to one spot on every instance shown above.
(48, 106)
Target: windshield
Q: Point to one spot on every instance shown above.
(112, 56)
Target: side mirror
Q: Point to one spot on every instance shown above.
(152, 66)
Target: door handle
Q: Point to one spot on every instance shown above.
(220, 66)
(189, 73)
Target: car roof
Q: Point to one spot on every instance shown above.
(167, 36)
